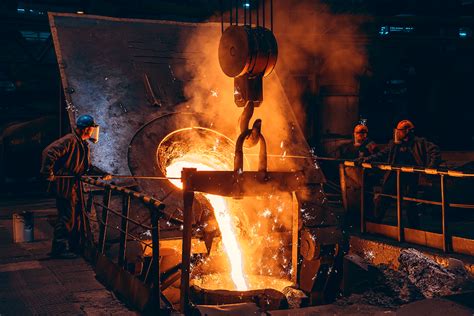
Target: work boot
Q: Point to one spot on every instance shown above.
(60, 250)
(63, 255)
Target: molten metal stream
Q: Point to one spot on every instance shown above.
(224, 220)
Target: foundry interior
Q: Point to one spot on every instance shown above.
(236, 157)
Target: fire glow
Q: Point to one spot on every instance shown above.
(224, 220)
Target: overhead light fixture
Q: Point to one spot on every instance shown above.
(80, 12)
(465, 32)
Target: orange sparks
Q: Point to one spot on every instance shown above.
(223, 217)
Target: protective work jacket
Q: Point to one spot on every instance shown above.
(350, 151)
(425, 154)
(69, 156)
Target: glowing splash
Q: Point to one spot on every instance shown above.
(224, 220)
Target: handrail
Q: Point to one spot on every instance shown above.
(447, 238)
(145, 244)
(147, 200)
(408, 169)
(121, 216)
(155, 207)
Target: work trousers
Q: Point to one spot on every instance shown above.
(66, 230)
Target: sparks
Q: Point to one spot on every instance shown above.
(224, 220)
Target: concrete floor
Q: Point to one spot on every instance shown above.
(33, 284)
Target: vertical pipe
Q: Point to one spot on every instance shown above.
(444, 222)
(295, 212)
(271, 15)
(188, 198)
(150, 265)
(399, 208)
(222, 15)
(230, 12)
(124, 230)
(105, 219)
(250, 12)
(85, 210)
(245, 11)
(60, 109)
(258, 12)
(237, 12)
(263, 13)
(155, 261)
(362, 201)
(82, 221)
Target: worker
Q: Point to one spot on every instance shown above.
(351, 179)
(408, 150)
(360, 146)
(69, 156)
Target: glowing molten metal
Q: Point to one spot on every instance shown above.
(223, 217)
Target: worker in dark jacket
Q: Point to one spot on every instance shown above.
(69, 156)
(360, 146)
(351, 177)
(408, 150)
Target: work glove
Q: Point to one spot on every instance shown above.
(106, 177)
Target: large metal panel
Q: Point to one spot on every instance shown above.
(106, 65)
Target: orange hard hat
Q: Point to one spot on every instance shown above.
(360, 128)
(405, 125)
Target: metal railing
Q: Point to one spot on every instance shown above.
(445, 241)
(155, 208)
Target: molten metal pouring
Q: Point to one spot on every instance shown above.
(224, 220)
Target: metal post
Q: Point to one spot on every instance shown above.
(105, 219)
(250, 12)
(258, 13)
(188, 198)
(245, 12)
(124, 230)
(295, 212)
(362, 201)
(399, 209)
(155, 262)
(444, 222)
(82, 220)
(236, 12)
(60, 109)
(222, 15)
(271, 15)
(230, 12)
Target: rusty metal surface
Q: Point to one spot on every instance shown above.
(382, 229)
(463, 245)
(250, 183)
(381, 251)
(423, 238)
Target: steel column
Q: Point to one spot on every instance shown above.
(105, 220)
(188, 198)
(444, 208)
(399, 209)
(362, 201)
(155, 262)
(295, 212)
(124, 230)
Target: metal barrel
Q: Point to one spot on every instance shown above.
(23, 227)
